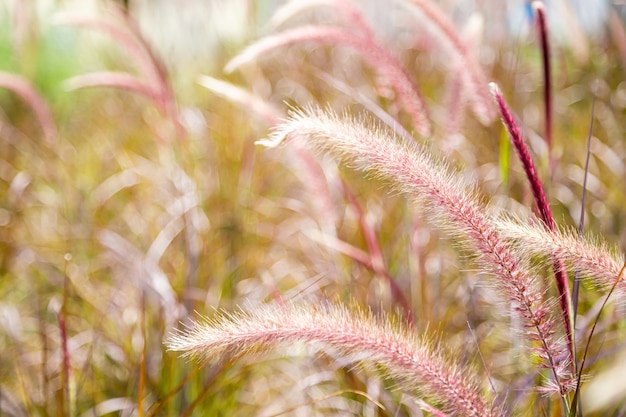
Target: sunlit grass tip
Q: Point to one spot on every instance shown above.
(414, 172)
(350, 333)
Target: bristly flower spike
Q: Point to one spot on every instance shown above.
(376, 55)
(377, 343)
(413, 172)
(471, 74)
(545, 213)
(600, 263)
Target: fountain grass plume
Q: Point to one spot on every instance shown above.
(153, 78)
(376, 55)
(414, 172)
(471, 72)
(541, 201)
(27, 92)
(515, 134)
(595, 259)
(378, 343)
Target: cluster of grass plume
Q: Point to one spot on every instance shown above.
(380, 254)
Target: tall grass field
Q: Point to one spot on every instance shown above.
(312, 208)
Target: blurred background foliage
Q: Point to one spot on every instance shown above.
(133, 211)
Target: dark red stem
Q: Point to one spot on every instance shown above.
(542, 28)
(542, 206)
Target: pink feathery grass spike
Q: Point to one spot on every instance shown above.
(378, 57)
(470, 70)
(415, 173)
(31, 96)
(123, 35)
(378, 343)
(354, 16)
(315, 181)
(121, 80)
(545, 213)
(515, 135)
(253, 104)
(153, 81)
(600, 263)
(117, 32)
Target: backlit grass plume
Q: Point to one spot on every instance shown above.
(541, 202)
(379, 343)
(385, 63)
(601, 264)
(23, 88)
(414, 172)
